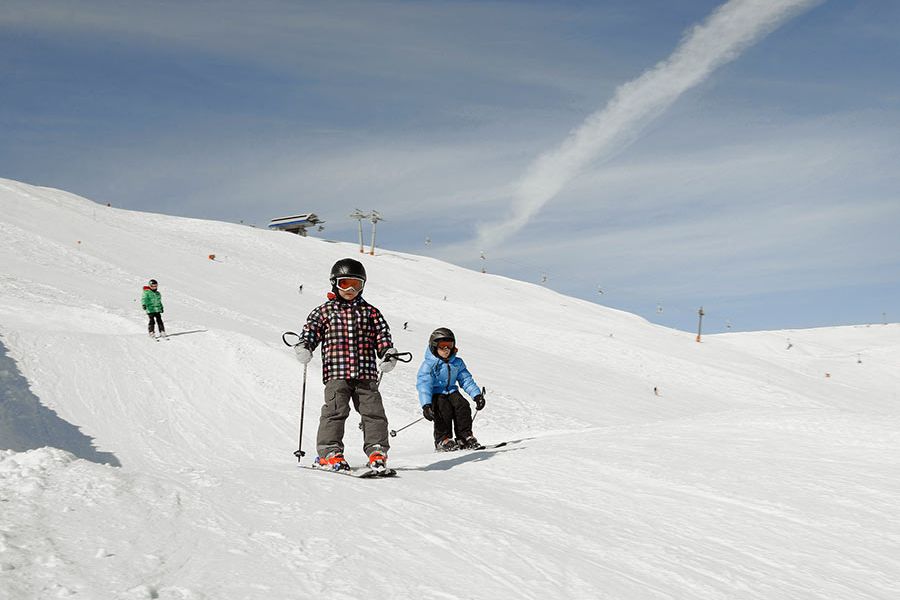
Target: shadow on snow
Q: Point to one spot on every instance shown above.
(26, 424)
(187, 332)
(468, 457)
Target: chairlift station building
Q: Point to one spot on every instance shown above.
(296, 223)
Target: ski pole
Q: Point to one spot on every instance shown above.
(394, 433)
(299, 453)
(483, 392)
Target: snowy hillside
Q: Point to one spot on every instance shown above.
(765, 465)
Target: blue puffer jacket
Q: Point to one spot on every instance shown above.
(439, 377)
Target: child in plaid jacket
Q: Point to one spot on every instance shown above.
(353, 333)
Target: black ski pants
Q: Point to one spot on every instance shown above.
(155, 318)
(451, 411)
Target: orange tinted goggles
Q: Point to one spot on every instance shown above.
(350, 283)
(445, 345)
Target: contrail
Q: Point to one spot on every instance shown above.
(729, 30)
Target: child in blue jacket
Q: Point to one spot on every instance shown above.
(439, 397)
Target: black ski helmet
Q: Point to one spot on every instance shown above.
(347, 267)
(441, 334)
(152, 282)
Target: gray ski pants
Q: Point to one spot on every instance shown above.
(366, 400)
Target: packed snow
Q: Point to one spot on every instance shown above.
(640, 464)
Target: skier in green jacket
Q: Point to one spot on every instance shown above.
(152, 303)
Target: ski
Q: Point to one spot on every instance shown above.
(370, 473)
(363, 473)
(491, 446)
(478, 447)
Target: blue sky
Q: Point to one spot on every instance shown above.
(767, 191)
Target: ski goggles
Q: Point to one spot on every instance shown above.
(350, 283)
(445, 345)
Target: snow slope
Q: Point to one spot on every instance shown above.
(755, 471)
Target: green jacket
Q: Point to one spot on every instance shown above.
(151, 301)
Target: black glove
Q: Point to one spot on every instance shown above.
(427, 412)
(479, 402)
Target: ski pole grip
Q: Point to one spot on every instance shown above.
(403, 357)
(284, 338)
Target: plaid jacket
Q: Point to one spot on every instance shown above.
(351, 333)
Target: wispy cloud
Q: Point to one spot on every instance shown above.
(720, 39)
(809, 203)
(469, 40)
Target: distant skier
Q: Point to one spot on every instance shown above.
(352, 333)
(439, 397)
(151, 301)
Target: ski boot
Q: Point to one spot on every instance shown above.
(334, 462)
(377, 459)
(470, 443)
(448, 444)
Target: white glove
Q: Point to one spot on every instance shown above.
(303, 354)
(387, 360)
